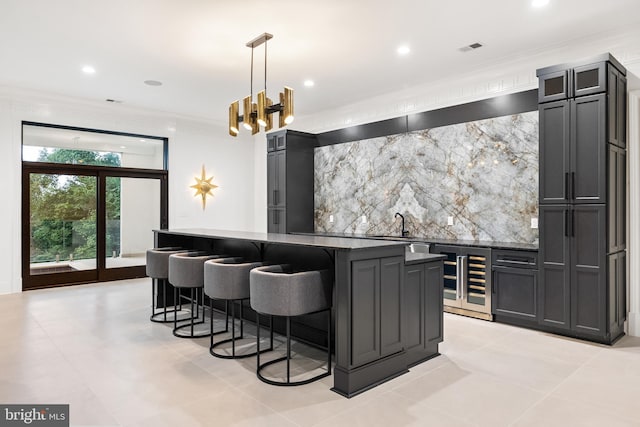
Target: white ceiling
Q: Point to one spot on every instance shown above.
(348, 47)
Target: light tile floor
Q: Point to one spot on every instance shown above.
(93, 347)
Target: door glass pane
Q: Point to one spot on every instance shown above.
(62, 223)
(132, 212)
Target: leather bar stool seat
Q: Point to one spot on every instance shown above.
(276, 291)
(228, 279)
(186, 271)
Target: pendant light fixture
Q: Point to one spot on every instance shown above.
(257, 115)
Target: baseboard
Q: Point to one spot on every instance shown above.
(633, 324)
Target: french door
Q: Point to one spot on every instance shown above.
(84, 224)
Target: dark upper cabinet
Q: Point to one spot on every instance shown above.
(555, 161)
(588, 150)
(589, 79)
(553, 86)
(276, 141)
(573, 150)
(290, 181)
(617, 96)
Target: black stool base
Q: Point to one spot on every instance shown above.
(287, 359)
(233, 338)
(289, 382)
(195, 315)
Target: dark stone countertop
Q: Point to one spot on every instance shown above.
(311, 240)
(412, 239)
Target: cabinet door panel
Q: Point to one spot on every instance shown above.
(554, 152)
(272, 179)
(277, 220)
(553, 86)
(588, 269)
(554, 289)
(589, 79)
(391, 271)
(433, 304)
(413, 297)
(515, 292)
(281, 178)
(617, 199)
(588, 149)
(365, 310)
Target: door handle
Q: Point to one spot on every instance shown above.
(566, 186)
(573, 185)
(458, 275)
(573, 223)
(463, 275)
(566, 223)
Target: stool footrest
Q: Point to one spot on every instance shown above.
(286, 383)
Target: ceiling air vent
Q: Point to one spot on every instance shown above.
(470, 47)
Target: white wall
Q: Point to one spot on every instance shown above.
(191, 144)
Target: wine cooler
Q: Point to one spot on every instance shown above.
(467, 280)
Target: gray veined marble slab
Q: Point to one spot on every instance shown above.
(484, 174)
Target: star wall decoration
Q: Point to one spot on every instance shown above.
(204, 187)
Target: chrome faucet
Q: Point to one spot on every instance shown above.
(403, 232)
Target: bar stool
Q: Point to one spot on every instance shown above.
(158, 271)
(228, 279)
(274, 291)
(186, 271)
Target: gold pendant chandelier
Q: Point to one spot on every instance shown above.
(256, 115)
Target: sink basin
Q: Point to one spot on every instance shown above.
(421, 248)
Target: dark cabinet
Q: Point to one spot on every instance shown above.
(582, 199)
(573, 151)
(515, 285)
(553, 86)
(290, 181)
(578, 278)
(423, 308)
(589, 79)
(376, 308)
(617, 96)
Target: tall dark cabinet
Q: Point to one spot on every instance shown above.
(582, 110)
(290, 181)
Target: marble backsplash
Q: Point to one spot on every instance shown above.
(483, 174)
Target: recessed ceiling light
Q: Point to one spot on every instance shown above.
(309, 83)
(403, 50)
(88, 69)
(152, 83)
(171, 129)
(539, 3)
(123, 146)
(143, 140)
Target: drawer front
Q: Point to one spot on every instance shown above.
(515, 258)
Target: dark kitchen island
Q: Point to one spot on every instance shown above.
(381, 328)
